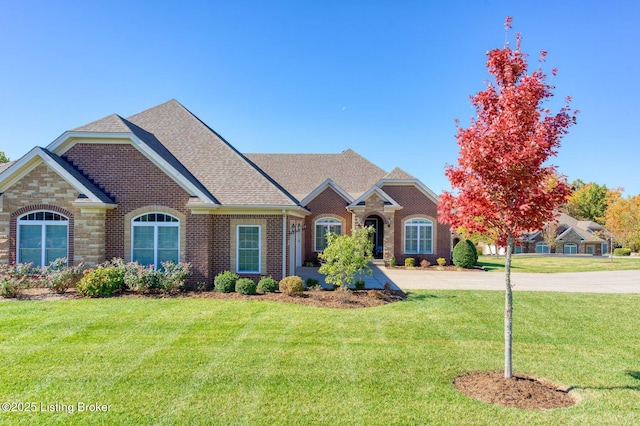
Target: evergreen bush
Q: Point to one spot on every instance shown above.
(465, 254)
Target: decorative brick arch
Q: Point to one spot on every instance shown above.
(13, 228)
(154, 209)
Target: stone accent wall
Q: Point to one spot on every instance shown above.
(374, 206)
(43, 189)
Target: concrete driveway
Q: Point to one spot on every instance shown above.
(582, 282)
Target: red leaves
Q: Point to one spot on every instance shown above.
(501, 181)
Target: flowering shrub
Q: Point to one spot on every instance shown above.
(140, 278)
(15, 278)
(59, 277)
(172, 276)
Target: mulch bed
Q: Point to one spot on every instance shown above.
(519, 391)
(321, 298)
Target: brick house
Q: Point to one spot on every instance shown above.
(569, 236)
(563, 235)
(162, 185)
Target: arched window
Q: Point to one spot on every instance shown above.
(155, 239)
(43, 237)
(323, 227)
(418, 236)
(542, 247)
(570, 248)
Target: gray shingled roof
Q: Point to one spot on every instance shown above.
(300, 174)
(582, 227)
(198, 152)
(5, 166)
(399, 174)
(110, 124)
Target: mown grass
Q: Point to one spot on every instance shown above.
(551, 264)
(204, 361)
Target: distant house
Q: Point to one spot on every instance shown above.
(564, 235)
(161, 185)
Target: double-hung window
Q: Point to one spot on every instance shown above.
(43, 237)
(156, 239)
(323, 227)
(418, 236)
(248, 249)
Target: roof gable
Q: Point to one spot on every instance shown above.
(89, 192)
(226, 173)
(302, 174)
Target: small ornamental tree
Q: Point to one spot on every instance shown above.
(502, 181)
(347, 256)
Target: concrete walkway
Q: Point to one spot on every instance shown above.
(582, 282)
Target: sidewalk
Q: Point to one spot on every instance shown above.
(582, 282)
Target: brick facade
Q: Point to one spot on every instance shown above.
(327, 204)
(416, 204)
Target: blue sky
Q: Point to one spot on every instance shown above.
(385, 78)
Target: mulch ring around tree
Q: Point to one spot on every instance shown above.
(519, 391)
(339, 299)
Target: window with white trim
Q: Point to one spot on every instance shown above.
(418, 236)
(570, 248)
(155, 239)
(248, 249)
(323, 227)
(43, 237)
(542, 248)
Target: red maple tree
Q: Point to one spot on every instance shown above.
(502, 181)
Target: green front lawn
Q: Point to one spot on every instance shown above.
(550, 264)
(206, 361)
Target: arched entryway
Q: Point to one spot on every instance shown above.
(378, 236)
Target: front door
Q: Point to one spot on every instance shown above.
(376, 236)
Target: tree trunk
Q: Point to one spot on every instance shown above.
(508, 311)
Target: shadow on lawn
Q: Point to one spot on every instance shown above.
(632, 374)
(417, 297)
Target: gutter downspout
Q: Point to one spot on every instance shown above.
(284, 243)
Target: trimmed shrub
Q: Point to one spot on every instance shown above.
(359, 284)
(225, 282)
(245, 286)
(424, 263)
(465, 254)
(622, 252)
(409, 262)
(267, 285)
(291, 285)
(441, 261)
(311, 283)
(392, 262)
(101, 282)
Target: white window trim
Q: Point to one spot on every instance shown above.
(541, 244)
(409, 222)
(325, 222)
(238, 270)
(564, 248)
(155, 225)
(43, 233)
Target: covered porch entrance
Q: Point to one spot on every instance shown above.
(378, 236)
